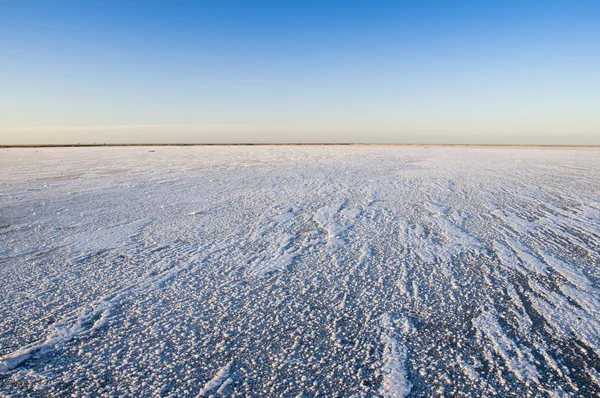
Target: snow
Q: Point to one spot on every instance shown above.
(300, 271)
(395, 382)
(220, 380)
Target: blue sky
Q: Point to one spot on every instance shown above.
(287, 71)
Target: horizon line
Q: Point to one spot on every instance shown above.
(3, 146)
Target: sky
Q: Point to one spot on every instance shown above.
(491, 72)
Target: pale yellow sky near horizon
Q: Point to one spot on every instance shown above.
(190, 133)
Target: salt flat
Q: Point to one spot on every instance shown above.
(300, 271)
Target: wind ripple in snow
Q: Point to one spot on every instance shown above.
(395, 382)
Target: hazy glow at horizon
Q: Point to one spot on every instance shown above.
(387, 72)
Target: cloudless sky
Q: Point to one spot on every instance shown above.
(300, 71)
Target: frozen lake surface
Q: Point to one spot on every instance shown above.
(300, 271)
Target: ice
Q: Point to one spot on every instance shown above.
(300, 271)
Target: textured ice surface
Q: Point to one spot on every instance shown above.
(300, 271)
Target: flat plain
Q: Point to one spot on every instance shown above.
(300, 271)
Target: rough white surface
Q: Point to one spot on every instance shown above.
(394, 382)
(217, 381)
(288, 271)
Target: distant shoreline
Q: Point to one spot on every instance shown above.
(296, 144)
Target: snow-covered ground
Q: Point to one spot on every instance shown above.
(297, 271)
